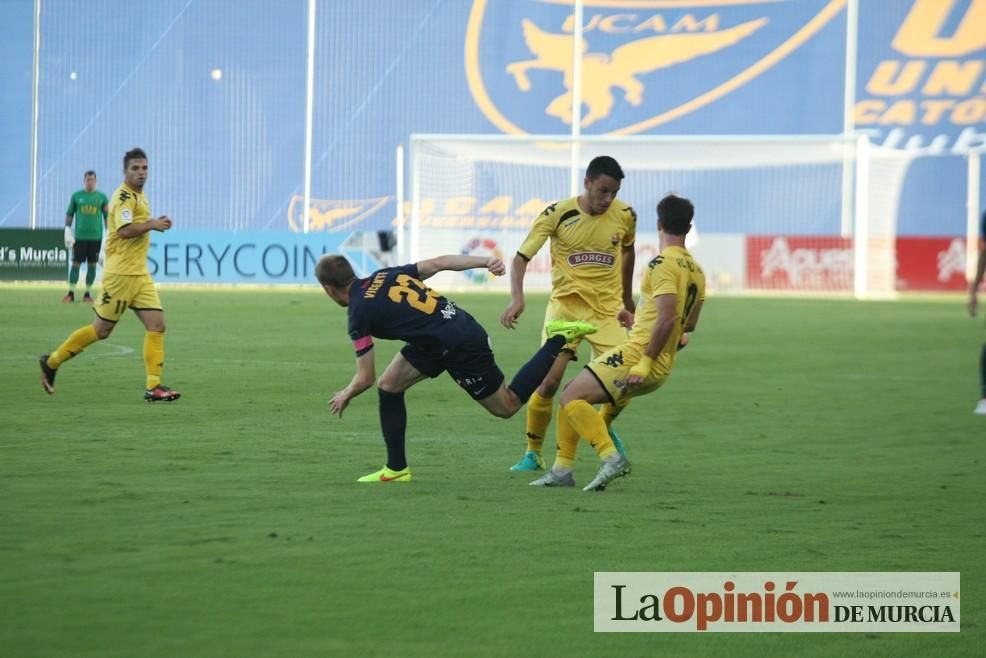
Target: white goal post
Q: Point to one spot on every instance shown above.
(771, 210)
(973, 205)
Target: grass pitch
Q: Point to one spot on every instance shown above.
(801, 435)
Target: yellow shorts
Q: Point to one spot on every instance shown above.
(570, 308)
(612, 368)
(123, 291)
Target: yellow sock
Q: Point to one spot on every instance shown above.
(609, 412)
(590, 425)
(538, 418)
(73, 345)
(568, 442)
(153, 357)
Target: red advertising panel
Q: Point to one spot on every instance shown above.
(784, 262)
(798, 262)
(931, 264)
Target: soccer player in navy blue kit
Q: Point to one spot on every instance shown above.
(977, 280)
(395, 304)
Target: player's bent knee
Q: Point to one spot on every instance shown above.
(389, 384)
(503, 412)
(502, 404)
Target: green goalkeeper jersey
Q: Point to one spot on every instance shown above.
(87, 208)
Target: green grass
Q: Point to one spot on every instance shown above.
(799, 435)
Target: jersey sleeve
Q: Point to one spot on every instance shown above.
(70, 211)
(359, 332)
(631, 234)
(541, 230)
(104, 208)
(125, 211)
(411, 269)
(663, 280)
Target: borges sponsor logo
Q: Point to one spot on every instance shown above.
(591, 258)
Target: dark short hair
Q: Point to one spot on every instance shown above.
(334, 270)
(675, 214)
(133, 154)
(603, 165)
(89, 173)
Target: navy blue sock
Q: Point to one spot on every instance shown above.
(982, 369)
(532, 373)
(393, 422)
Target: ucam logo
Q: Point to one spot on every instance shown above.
(644, 63)
(926, 91)
(332, 214)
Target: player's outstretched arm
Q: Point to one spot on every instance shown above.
(362, 380)
(518, 268)
(457, 263)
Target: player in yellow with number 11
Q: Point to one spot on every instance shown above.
(127, 283)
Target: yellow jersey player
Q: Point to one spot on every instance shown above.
(671, 297)
(127, 283)
(592, 261)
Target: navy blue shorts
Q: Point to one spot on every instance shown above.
(470, 363)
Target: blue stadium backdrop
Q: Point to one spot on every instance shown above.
(221, 112)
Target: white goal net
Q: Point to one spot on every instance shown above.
(777, 213)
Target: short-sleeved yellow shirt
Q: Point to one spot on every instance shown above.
(586, 251)
(674, 272)
(127, 256)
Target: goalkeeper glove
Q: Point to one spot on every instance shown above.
(69, 237)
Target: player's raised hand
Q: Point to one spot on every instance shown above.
(496, 266)
(509, 317)
(338, 403)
